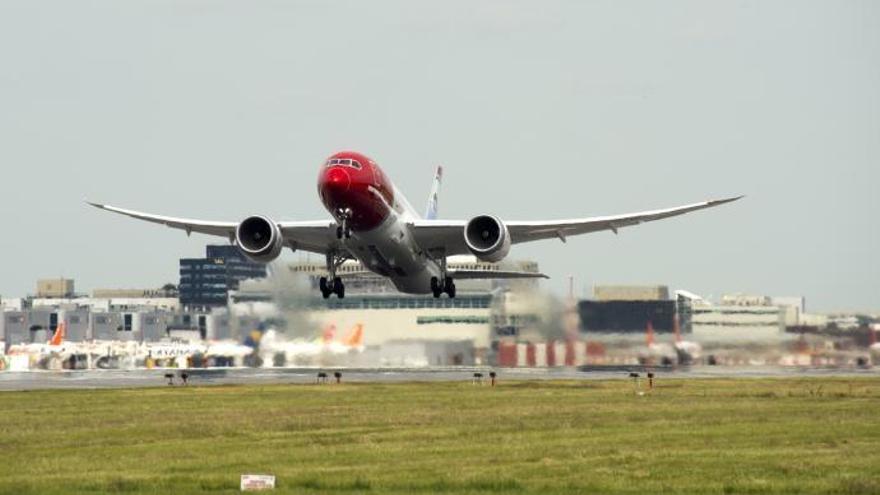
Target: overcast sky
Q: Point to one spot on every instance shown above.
(537, 110)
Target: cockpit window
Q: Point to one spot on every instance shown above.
(345, 162)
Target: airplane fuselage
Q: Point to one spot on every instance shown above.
(355, 190)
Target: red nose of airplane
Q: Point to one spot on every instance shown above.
(336, 180)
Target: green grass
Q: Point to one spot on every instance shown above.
(688, 436)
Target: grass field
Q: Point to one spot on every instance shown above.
(688, 436)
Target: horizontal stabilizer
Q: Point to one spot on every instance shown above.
(492, 274)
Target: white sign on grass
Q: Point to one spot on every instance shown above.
(256, 482)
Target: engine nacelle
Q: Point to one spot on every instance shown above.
(259, 238)
(487, 237)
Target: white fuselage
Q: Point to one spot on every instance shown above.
(391, 250)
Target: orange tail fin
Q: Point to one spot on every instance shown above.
(649, 334)
(356, 337)
(677, 329)
(58, 337)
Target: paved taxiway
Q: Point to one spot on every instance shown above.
(33, 380)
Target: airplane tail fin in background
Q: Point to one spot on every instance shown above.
(58, 337)
(431, 210)
(649, 334)
(356, 337)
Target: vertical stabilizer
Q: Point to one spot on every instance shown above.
(58, 337)
(355, 338)
(431, 210)
(649, 334)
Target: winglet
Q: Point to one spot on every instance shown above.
(714, 202)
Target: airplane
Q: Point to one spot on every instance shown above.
(688, 351)
(325, 350)
(656, 352)
(53, 353)
(168, 354)
(873, 345)
(372, 222)
(54, 346)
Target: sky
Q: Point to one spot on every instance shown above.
(537, 110)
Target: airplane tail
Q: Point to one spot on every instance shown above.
(329, 333)
(676, 329)
(58, 337)
(254, 338)
(649, 334)
(355, 338)
(431, 210)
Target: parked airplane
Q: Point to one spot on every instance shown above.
(375, 224)
(688, 351)
(55, 346)
(656, 353)
(322, 351)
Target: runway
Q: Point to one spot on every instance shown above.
(96, 379)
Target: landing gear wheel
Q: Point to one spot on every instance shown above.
(326, 290)
(339, 288)
(435, 287)
(449, 287)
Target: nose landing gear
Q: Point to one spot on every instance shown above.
(344, 230)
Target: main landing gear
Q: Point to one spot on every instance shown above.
(445, 282)
(332, 285)
(438, 287)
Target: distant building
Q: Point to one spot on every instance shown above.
(368, 282)
(163, 292)
(206, 282)
(743, 318)
(627, 309)
(626, 316)
(386, 315)
(794, 308)
(55, 287)
(630, 292)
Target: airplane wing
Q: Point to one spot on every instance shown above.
(447, 235)
(313, 236)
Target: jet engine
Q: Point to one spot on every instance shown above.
(487, 237)
(259, 238)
